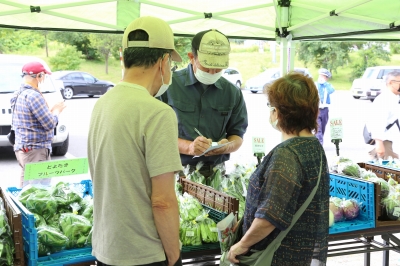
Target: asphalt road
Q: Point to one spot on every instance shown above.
(353, 112)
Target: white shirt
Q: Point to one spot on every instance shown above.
(384, 111)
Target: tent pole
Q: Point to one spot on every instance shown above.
(291, 54)
(284, 56)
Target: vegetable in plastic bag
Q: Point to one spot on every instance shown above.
(39, 220)
(392, 206)
(351, 209)
(52, 238)
(26, 192)
(190, 207)
(336, 208)
(350, 169)
(42, 203)
(76, 228)
(65, 194)
(331, 219)
(189, 233)
(209, 233)
(385, 188)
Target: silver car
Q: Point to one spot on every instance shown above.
(256, 84)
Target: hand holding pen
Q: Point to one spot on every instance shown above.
(199, 144)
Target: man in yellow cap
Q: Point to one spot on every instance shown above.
(133, 155)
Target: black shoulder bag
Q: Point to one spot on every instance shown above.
(11, 135)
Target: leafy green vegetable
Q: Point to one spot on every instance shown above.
(51, 237)
(76, 228)
(42, 202)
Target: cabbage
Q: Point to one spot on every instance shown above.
(335, 207)
(331, 218)
(351, 209)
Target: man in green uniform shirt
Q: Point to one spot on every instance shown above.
(205, 101)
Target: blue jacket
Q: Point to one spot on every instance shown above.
(321, 88)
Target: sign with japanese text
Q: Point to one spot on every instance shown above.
(49, 169)
(258, 145)
(336, 125)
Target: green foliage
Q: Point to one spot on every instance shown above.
(395, 47)
(368, 56)
(66, 59)
(78, 39)
(329, 55)
(14, 41)
(183, 46)
(106, 45)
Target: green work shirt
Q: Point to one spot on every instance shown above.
(217, 111)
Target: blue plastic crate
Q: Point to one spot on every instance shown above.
(352, 188)
(29, 235)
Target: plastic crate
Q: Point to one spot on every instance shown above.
(361, 190)
(29, 235)
(216, 216)
(15, 221)
(208, 196)
(382, 172)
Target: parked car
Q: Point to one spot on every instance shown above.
(371, 82)
(10, 80)
(81, 83)
(256, 84)
(233, 75)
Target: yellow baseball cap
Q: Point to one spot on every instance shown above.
(160, 35)
(213, 49)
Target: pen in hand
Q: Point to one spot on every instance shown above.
(198, 132)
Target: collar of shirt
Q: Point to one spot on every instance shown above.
(191, 78)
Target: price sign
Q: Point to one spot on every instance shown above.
(258, 145)
(336, 125)
(49, 169)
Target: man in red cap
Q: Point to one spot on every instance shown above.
(33, 121)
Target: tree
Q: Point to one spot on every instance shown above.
(368, 55)
(395, 47)
(78, 39)
(106, 45)
(20, 40)
(66, 59)
(183, 46)
(329, 55)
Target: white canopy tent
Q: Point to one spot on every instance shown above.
(284, 21)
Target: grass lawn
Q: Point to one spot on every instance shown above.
(249, 62)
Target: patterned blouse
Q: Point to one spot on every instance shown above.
(278, 188)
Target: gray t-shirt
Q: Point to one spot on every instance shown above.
(132, 138)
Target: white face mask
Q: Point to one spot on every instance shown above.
(207, 78)
(164, 87)
(41, 83)
(321, 80)
(275, 123)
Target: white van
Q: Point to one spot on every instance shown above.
(372, 81)
(10, 81)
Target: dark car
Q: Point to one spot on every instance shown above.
(81, 83)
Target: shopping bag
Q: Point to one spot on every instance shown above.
(226, 232)
(367, 136)
(11, 137)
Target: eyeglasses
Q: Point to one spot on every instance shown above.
(396, 80)
(271, 108)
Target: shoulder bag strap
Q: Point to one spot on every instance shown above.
(277, 241)
(396, 122)
(12, 117)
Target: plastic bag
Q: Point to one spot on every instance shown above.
(189, 233)
(52, 238)
(76, 228)
(42, 202)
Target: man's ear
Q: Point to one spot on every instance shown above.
(190, 55)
